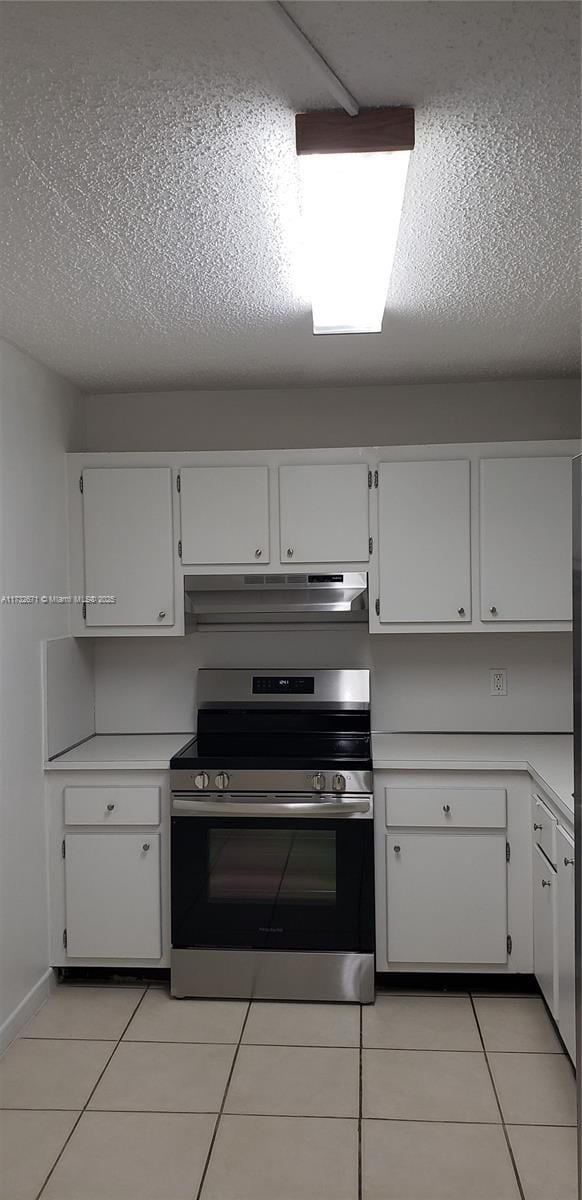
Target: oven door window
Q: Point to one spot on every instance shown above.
(276, 884)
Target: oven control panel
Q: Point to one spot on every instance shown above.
(283, 685)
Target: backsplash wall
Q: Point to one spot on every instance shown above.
(429, 683)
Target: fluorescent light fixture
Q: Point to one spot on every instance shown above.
(351, 211)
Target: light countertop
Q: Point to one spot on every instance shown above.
(549, 758)
(122, 752)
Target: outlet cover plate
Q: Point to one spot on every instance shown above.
(498, 681)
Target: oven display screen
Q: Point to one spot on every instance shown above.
(283, 685)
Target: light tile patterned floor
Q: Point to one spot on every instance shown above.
(120, 1093)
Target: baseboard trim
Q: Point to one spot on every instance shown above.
(11, 1027)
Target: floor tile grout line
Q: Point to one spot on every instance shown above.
(92, 1092)
(360, 1097)
(221, 1110)
(182, 1112)
(296, 1045)
(498, 1102)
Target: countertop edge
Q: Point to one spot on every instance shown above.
(477, 764)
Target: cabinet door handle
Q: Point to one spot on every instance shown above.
(537, 826)
(146, 846)
(568, 862)
(446, 808)
(161, 614)
(258, 552)
(461, 612)
(110, 807)
(290, 552)
(493, 610)
(397, 849)
(546, 883)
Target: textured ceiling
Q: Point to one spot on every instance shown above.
(151, 231)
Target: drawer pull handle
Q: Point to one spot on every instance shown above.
(446, 808)
(537, 826)
(146, 846)
(397, 849)
(110, 807)
(546, 883)
(568, 862)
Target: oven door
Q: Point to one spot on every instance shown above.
(280, 883)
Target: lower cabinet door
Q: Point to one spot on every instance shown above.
(112, 890)
(565, 941)
(544, 913)
(447, 897)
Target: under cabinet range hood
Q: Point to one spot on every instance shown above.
(275, 599)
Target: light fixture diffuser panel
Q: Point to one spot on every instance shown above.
(351, 210)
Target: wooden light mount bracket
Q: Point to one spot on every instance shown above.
(373, 129)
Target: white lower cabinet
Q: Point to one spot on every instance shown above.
(453, 871)
(446, 897)
(544, 913)
(565, 940)
(109, 870)
(113, 902)
(553, 917)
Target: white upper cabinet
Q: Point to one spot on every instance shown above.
(225, 515)
(526, 541)
(324, 513)
(128, 546)
(424, 542)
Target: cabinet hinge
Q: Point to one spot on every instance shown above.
(178, 483)
(84, 612)
(65, 938)
(376, 479)
(371, 545)
(63, 849)
(369, 479)
(80, 483)
(507, 852)
(179, 549)
(509, 943)
(377, 607)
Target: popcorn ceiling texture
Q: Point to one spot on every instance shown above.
(151, 230)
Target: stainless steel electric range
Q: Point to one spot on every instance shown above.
(272, 839)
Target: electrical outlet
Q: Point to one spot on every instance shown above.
(498, 681)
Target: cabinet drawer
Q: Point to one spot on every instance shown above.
(112, 805)
(444, 808)
(544, 828)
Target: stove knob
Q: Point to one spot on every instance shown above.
(319, 781)
(201, 780)
(338, 783)
(222, 780)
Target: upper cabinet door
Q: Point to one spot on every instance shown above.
(424, 542)
(225, 515)
(526, 539)
(128, 542)
(324, 513)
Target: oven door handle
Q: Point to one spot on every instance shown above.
(196, 806)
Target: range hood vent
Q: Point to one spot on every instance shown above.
(275, 599)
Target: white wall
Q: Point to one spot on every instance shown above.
(39, 420)
(410, 414)
(420, 682)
